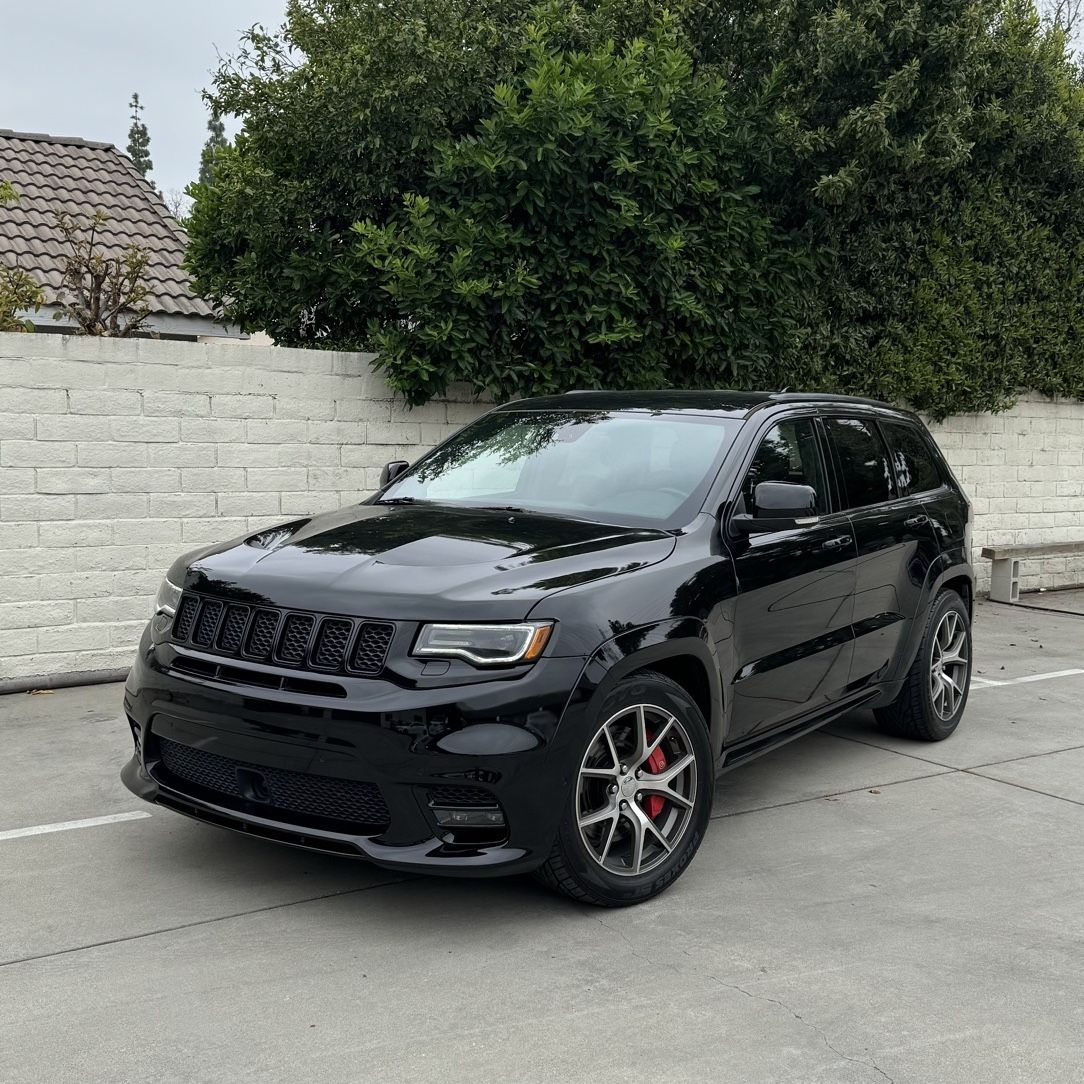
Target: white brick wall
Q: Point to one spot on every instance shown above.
(117, 455)
(1023, 471)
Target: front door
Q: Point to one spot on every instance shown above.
(792, 631)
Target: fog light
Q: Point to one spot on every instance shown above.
(467, 818)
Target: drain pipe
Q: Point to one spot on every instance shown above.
(62, 681)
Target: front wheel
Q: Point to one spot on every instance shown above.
(641, 799)
(932, 700)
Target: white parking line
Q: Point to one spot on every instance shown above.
(984, 682)
(65, 826)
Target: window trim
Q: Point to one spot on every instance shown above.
(733, 490)
(870, 420)
(926, 441)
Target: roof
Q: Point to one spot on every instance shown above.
(53, 173)
(734, 403)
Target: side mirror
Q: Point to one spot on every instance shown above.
(779, 506)
(391, 471)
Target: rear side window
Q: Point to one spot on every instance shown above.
(916, 468)
(863, 459)
(788, 453)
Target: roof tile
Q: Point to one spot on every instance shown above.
(79, 177)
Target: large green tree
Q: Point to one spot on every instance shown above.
(907, 174)
(342, 109)
(597, 230)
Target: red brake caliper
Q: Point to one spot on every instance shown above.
(655, 763)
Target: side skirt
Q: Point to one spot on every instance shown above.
(750, 748)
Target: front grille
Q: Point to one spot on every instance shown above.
(331, 643)
(186, 617)
(372, 649)
(209, 615)
(294, 642)
(307, 641)
(448, 797)
(346, 800)
(233, 629)
(261, 637)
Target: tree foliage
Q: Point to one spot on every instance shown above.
(216, 140)
(18, 291)
(139, 139)
(595, 230)
(874, 196)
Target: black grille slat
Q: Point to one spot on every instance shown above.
(261, 637)
(232, 631)
(372, 647)
(347, 800)
(186, 617)
(331, 643)
(449, 795)
(209, 615)
(327, 643)
(294, 639)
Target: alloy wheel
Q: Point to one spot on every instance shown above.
(949, 665)
(636, 790)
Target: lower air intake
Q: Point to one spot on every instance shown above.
(354, 804)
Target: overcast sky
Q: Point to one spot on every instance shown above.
(69, 68)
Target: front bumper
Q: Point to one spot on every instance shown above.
(496, 738)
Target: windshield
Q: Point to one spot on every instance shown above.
(631, 468)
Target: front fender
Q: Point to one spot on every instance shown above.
(641, 649)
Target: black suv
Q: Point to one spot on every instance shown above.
(536, 648)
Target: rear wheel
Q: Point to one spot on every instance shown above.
(641, 799)
(932, 700)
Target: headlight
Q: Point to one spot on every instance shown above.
(168, 599)
(485, 645)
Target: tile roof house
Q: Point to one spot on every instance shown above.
(79, 177)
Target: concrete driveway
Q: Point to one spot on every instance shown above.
(862, 909)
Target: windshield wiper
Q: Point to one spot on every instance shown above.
(396, 500)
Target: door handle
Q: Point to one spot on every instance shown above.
(916, 521)
(835, 543)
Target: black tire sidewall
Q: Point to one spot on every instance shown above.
(609, 888)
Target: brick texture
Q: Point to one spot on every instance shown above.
(118, 455)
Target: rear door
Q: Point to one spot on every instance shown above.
(792, 634)
(894, 538)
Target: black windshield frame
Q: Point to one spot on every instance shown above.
(494, 421)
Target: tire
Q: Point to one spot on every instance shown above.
(920, 711)
(653, 821)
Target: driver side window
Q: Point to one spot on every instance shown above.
(788, 453)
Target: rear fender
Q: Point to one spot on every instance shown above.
(948, 566)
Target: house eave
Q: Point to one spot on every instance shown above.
(157, 323)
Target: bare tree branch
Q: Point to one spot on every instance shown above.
(108, 294)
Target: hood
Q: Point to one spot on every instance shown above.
(420, 562)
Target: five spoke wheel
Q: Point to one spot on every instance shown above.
(948, 666)
(636, 789)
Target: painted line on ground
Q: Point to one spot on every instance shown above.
(985, 682)
(67, 826)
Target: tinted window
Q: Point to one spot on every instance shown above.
(867, 473)
(788, 453)
(916, 469)
(616, 466)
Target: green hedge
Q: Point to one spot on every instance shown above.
(869, 196)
